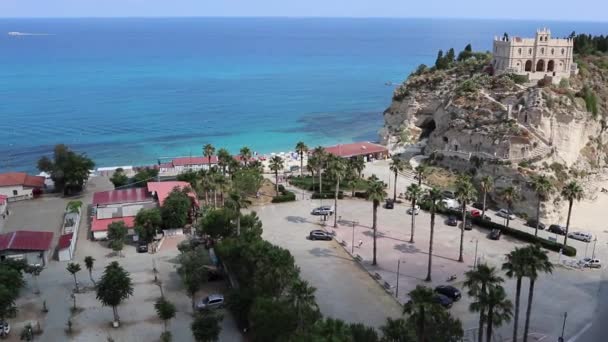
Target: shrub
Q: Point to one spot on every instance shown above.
(285, 196)
(360, 194)
(543, 82)
(281, 188)
(328, 195)
(519, 79)
(564, 83)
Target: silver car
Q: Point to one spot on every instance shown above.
(214, 301)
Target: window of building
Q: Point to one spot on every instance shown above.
(542, 51)
(14, 192)
(563, 51)
(552, 51)
(529, 51)
(519, 51)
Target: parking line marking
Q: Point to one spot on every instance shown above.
(580, 333)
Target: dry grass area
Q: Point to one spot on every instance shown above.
(440, 178)
(266, 193)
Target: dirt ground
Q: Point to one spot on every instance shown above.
(266, 193)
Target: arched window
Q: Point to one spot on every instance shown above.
(542, 51)
(563, 51)
(529, 51)
(519, 51)
(552, 51)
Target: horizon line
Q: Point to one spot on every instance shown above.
(303, 17)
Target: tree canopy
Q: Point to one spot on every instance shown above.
(119, 178)
(175, 209)
(148, 223)
(114, 287)
(206, 327)
(144, 176)
(69, 170)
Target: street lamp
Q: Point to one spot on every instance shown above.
(352, 245)
(397, 287)
(593, 252)
(561, 339)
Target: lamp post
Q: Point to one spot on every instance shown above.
(561, 339)
(352, 245)
(593, 252)
(397, 289)
(475, 261)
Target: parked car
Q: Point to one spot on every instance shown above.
(474, 213)
(416, 210)
(505, 213)
(5, 328)
(532, 223)
(449, 291)
(477, 205)
(142, 247)
(557, 229)
(323, 210)
(319, 235)
(449, 203)
(452, 221)
(495, 234)
(214, 301)
(590, 263)
(467, 226)
(448, 194)
(390, 204)
(581, 236)
(443, 300)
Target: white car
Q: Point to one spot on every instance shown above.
(416, 210)
(585, 237)
(323, 210)
(214, 301)
(590, 263)
(450, 203)
(505, 213)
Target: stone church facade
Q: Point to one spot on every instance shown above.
(538, 57)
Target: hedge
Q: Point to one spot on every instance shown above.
(327, 195)
(286, 196)
(516, 233)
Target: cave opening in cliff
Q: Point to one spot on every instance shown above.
(428, 126)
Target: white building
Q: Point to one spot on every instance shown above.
(538, 57)
(18, 185)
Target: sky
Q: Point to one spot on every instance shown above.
(579, 10)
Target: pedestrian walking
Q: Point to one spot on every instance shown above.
(360, 243)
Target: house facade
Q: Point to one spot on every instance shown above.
(32, 246)
(20, 186)
(118, 205)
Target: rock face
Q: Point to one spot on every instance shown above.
(504, 126)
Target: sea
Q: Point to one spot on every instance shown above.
(131, 91)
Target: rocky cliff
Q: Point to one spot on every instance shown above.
(505, 126)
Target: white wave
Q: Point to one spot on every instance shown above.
(14, 33)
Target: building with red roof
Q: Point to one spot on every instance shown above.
(32, 246)
(65, 247)
(367, 150)
(161, 191)
(116, 205)
(20, 185)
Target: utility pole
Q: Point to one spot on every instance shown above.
(352, 245)
(593, 252)
(397, 290)
(561, 338)
(475, 262)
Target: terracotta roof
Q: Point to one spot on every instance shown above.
(163, 189)
(100, 225)
(185, 161)
(121, 196)
(65, 241)
(355, 149)
(21, 178)
(26, 240)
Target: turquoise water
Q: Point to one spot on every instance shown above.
(128, 91)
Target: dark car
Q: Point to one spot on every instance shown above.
(319, 235)
(448, 194)
(142, 247)
(389, 204)
(532, 223)
(557, 229)
(495, 234)
(468, 225)
(449, 291)
(452, 221)
(443, 300)
(477, 205)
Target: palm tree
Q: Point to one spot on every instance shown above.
(465, 192)
(433, 198)
(237, 202)
(572, 191)
(74, 268)
(245, 154)
(486, 185)
(221, 184)
(510, 195)
(88, 262)
(537, 262)
(302, 297)
(206, 184)
(312, 164)
(421, 305)
(413, 192)
(357, 164)
(396, 166)
(276, 165)
(421, 171)
(478, 281)
(337, 170)
(499, 308)
(321, 155)
(223, 159)
(114, 287)
(301, 149)
(543, 188)
(376, 194)
(208, 151)
(515, 267)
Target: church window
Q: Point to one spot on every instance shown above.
(519, 51)
(552, 51)
(529, 51)
(563, 51)
(542, 51)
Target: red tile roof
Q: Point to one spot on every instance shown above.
(355, 149)
(162, 190)
(3, 199)
(185, 161)
(26, 240)
(65, 241)
(21, 178)
(121, 196)
(102, 224)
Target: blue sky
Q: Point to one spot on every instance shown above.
(583, 10)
